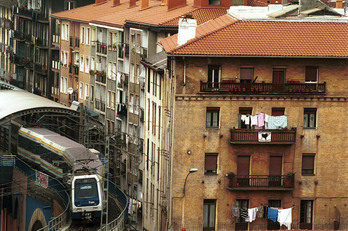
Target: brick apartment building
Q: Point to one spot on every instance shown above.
(295, 69)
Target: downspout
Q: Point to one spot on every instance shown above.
(183, 58)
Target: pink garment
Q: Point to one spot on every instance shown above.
(260, 120)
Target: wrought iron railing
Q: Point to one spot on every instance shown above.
(257, 136)
(263, 88)
(261, 181)
(102, 48)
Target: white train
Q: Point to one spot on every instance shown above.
(64, 158)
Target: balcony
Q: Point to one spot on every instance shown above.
(291, 87)
(102, 48)
(73, 97)
(100, 76)
(55, 39)
(42, 42)
(262, 136)
(260, 182)
(28, 38)
(19, 35)
(40, 69)
(18, 60)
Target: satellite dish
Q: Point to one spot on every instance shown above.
(70, 90)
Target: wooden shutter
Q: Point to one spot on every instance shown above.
(243, 165)
(311, 73)
(275, 165)
(246, 73)
(308, 161)
(210, 162)
(278, 111)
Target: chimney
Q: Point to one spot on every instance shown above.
(339, 4)
(144, 4)
(99, 1)
(173, 4)
(187, 29)
(132, 3)
(116, 2)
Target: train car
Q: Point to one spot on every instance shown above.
(55, 154)
(87, 197)
(64, 158)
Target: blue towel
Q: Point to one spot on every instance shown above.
(272, 214)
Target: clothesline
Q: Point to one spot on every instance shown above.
(264, 120)
(283, 216)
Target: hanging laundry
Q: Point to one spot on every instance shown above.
(247, 120)
(253, 120)
(260, 211)
(272, 214)
(260, 120)
(285, 217)
(251, 215)
(235, 211)
(266, 121)
(243, 213)
(277, 122)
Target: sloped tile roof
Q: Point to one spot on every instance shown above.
(170, 43)
(267, 38)
(156, 14)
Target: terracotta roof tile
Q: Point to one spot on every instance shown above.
(268, 38)
(156, 14)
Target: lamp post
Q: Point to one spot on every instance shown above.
(192, 170)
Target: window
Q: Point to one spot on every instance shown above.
(63, 85)
(86, 91)
(278, 79)
(209, 210)
(93, 63)
(278, 111)
(243, 170)
(309, 118)
(82, 35)
(88, 36)
(271, 225)
(246, 76)
(92, 94)
(244, 113)
(113, 98)
(69, 5)
(241, 224)
(308, 163)
(109, 99)
(210, 163)
(81, 90)
(86, 64)
(311, 74)
(213, 117)
(82, 64)
(306, 214)
(214, 2)
(131, 103)
(109, 70)
(213, 76)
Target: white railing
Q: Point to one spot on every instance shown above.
(55, 38)
(55, 64)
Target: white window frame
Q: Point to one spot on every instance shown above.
(88, 36)
(81, 90)
(63, 84)
(82, 63)
(86, 91)
(82, 35)
(86, 64)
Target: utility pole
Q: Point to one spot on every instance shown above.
(105, 184)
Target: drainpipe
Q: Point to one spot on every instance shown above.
(183, 58)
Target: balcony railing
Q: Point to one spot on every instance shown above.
(28, 38)
(261, 182)
(18, 35)
(73, 96)
(262, 136)
(102, 48)
(230, 87)
(42, 42)
(18, 60)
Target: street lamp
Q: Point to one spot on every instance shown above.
(192, 170)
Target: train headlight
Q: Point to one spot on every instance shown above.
(95, 208)
(79, 210)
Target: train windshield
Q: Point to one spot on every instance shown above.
(86, 188)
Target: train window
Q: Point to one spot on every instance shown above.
(86, 188)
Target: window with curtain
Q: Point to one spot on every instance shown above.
(212, 117)
(209, 211)
(309, 118)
